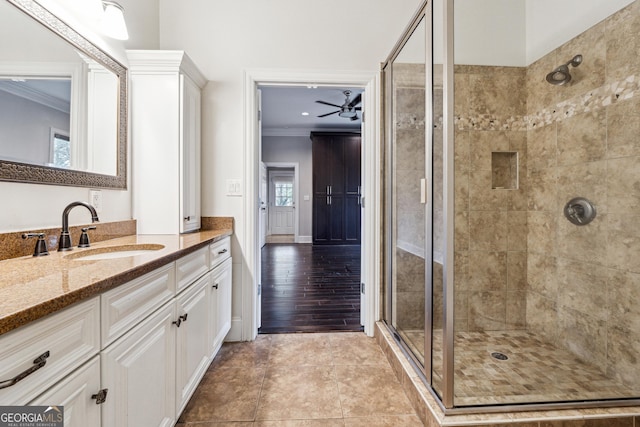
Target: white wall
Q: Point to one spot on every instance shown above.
(225, 38)
(490, 32)
(551, 23)
(294, 149)
(519, 32)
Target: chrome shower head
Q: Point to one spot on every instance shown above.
(561, 75)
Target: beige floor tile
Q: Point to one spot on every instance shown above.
(299, 392)
(226, 394)
(385, 421)
(301, 423)
(215, 424)
(371, 390)
(355, 348)
(244, 354)
(300, 349)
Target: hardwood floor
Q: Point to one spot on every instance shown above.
(308, 288)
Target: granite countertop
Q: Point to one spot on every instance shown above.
(33, 287)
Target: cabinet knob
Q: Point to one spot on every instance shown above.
(187, 218)
(215, 286)
(101, 396)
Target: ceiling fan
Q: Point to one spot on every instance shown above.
(348, 110)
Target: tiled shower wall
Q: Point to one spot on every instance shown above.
(490, 224)
(519, 262)
(584, 140)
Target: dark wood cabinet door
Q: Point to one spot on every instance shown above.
(336, 186)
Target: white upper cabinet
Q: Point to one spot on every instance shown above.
(165, 140)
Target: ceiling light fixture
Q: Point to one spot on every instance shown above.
(304, 113)
(113, 24)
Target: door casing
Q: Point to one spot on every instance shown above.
(371, 185)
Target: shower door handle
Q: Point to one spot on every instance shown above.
(423, 191)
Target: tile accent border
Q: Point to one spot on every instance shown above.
(593, 100)
(432, 415)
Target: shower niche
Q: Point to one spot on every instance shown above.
(492, 262)
(504, 170)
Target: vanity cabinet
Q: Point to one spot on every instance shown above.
(165, 140)
(153, 369)
(147, 343)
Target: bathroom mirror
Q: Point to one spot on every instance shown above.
(63, 116)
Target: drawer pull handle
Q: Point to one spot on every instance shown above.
(215, 286)
(224, 251)
(100, 396)
(187, 218)
(37, 364)
(180, 320)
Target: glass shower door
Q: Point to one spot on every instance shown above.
(407, 206)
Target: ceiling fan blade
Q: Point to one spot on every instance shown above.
(356, 100)
(328, 114)
(330, 104)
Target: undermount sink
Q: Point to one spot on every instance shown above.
(112, 252)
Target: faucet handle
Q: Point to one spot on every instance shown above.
(84, 237)
(41, 244)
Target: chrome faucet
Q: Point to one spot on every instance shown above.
(65, 238)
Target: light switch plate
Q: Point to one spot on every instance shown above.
(234, 187)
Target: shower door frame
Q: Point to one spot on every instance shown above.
(446, 399)
(424, 13)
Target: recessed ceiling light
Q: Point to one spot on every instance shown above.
(304, 113)
(312, 86)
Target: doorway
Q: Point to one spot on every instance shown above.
(371, 242)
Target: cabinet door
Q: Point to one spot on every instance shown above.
(190, 153)
(352, 208)
(220, 304)
(74, 393)
(336, 175)
(192, 339)
(139, 372)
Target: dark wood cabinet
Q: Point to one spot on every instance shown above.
(336, 188)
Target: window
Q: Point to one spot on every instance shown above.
(284, 194)
(60, 151)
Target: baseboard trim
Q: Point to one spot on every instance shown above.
(304, 239)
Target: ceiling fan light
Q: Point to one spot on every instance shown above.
(348, 114)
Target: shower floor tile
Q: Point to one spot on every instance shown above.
(535, 370)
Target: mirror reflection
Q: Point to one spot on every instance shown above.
(58, 106)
